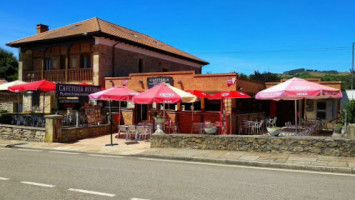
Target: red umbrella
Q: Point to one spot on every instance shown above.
(199, 94)
(228, 95)
(83, 83)
(43, 86)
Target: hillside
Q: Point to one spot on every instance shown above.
(344, 77)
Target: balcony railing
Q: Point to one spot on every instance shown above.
(29, 76)
(59, 75)
(55, 75)
(80, 74)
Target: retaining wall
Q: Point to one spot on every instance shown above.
(24, 133)
(73, 134)
(306, 145)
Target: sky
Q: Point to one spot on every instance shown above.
(233, 36)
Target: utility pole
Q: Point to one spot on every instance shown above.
(352, 68)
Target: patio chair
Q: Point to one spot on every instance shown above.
(218, 126)
(244, 127)
(143, 131)
(132, 130)
(197, 128)
(256, 127)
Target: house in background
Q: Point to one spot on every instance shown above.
(93, 49)
(348, 95)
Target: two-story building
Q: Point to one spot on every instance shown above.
(90, 50)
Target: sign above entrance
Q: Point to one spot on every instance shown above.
(71, 90)
(153, 81)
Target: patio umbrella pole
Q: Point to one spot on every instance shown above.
(110, 111)
(296, 117)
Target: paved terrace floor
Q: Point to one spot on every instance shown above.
(142, 148)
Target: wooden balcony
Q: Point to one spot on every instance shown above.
(29, 76)
(75, 75)
(80, 74)
(55, 75)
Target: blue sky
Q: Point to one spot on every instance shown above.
(240, 36)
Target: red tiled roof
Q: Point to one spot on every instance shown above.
(96, 26)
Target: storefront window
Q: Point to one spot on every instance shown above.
(85, 61)
(213, 105)
(196, 105)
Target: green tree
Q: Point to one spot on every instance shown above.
(350, 112)
(265, 77)
(8, 65)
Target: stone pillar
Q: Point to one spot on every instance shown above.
(350, 132)
(20, 65)
(95, 72)
(53, 128)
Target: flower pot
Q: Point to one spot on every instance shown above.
(210, 130)
(273, 131)
(337, 129)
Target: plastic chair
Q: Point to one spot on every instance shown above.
(132, 130)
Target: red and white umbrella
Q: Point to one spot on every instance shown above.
(164, 93)
(295, 89)
(114, 94)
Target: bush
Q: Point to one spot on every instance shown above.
(350, 112)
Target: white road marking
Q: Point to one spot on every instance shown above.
(92, 192)
(63, 152)
(249, 167)
(38, 184)
(138, 199)
(4, 179)
(29, 150)
(106, 156)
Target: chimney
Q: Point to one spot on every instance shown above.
(42, 28)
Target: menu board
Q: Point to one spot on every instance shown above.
(93, 113)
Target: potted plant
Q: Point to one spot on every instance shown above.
(273, 130)
(210, 129)
(159, 120)
(337, 128)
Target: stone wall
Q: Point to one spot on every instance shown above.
(74, 134)
(24, 133)
(305, 145)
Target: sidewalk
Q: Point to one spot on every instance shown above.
(142, 149)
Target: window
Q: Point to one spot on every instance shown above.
(35, 99)
(62, 62)
(212, 105)
(321, 110)
(85, 61)
(197, 105)
(48, 64)
(140, 65)
(165, 69)
(74, 59)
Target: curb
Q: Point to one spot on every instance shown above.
(343, 170)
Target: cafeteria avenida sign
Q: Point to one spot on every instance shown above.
(71, 90)
(153, 81)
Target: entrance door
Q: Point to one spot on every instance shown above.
(142, 110)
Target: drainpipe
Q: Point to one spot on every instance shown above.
(113, 59)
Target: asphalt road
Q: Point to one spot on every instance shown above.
(48, 175)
